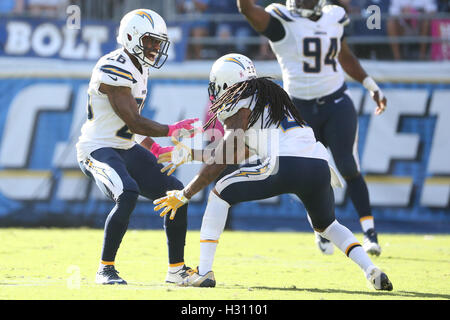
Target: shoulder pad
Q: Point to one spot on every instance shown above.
(279, 11)
(116, 74)
(337, 14)
(114, 69)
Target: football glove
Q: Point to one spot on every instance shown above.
(183, 128)
(176, 157)
(157, 150)
(171, 202)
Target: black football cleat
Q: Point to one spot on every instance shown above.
(370, 243)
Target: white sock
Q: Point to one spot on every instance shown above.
(344, 239)
(213, 223)
(207, 253)
(360, 257)
(367, 223)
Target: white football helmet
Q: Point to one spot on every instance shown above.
(228, 70)
(305, 8)
(137, 24)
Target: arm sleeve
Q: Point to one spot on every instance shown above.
(275, 30)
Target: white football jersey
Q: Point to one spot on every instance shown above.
(103, 127)
(289, 139)
(308, 52)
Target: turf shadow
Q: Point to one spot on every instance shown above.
(374, 293)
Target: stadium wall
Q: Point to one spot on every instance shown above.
(405, 153)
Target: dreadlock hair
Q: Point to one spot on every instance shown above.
(267, 93)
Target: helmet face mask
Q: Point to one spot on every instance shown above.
(227, 71)
(213, 91)
(142, 27)
(157, 52)
(305, 8)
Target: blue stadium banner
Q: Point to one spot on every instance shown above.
(405, 155)
(44, 38)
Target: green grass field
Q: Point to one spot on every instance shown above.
(55, 264)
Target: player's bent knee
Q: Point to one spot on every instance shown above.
(341, 236)
(126, 203)
(352, 176)
(128, 198)
(215, 217)
(320, 222)
(346, 163)
(348, 169)
(323, 232)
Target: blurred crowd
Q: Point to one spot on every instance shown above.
(43, 8)
(405, 31)
(409, 29)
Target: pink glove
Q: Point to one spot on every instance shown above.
(156, 149)
(180, 125)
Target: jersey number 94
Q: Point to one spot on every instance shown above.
(312, 48)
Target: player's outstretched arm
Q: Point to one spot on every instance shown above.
(256, 15)
(353, 68)
(235, 127)
(181, 153)
(125, 106)
(177, 198)
(350, 63)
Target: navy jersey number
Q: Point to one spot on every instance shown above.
(118, 58)
(289, 123)
(125, 132)
(330, 58)
(312, 48)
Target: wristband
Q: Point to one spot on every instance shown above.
(172, 128)
(154, 148)
(370, 84)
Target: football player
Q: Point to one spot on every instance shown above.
(259, 118)
(308, 39)
(115, 148)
